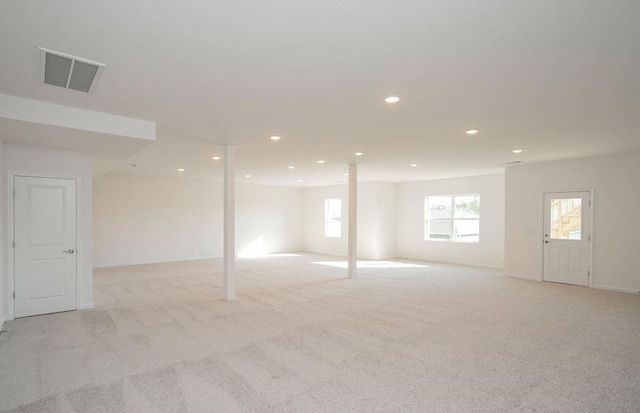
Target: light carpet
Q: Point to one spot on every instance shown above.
(301, 338)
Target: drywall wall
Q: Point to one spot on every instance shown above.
(387, 221)
(140, 219)
(37, 160)
(377, 220)
(313, 218)
(268, 219)
(36, 111)
(3, 271)
(376, 238)
(614, 181)
(488, 252)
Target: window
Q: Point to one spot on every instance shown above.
(566, 218)
(332, 218)
(452, 218)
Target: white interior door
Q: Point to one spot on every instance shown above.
(567, 234)
(45, 245)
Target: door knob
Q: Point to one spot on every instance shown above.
(69, 251)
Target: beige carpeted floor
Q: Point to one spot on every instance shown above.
(300, 337)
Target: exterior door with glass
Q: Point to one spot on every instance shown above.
(567, 234)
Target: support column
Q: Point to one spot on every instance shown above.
(229, 270)
(353, 219)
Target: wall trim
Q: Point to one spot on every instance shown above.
(468, 264)
(324, 253)
(85, 306)
(128, 264)
(523, 277)
(617, 289)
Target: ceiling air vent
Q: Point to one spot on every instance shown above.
(69, 72)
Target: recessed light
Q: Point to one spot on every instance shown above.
(247, 176)
(413, 165)
(358, 153)
(346, 174)
(392, 99)
(299, 180)
(320, 161)
(274, 138)
(180, 169)
(472, 131)
(517, 151)
(215, 158)
(291, 167)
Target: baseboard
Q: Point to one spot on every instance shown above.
(468, 264)
(620, 290)
(127, 264)
(325, 253)
(523, 277)
(85, 306)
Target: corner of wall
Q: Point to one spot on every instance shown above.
(3, 271)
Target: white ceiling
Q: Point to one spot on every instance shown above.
(559, 79)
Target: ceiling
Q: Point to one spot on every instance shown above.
(557, 79)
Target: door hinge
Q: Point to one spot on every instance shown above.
(589, 238)
(13, 244)
(588, 273)
(14, 192)
(14, 295)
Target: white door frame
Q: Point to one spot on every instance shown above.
(591, 228)
(11, 228)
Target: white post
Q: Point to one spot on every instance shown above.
(229, 224)
(353, 218)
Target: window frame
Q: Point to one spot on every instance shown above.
(452, 219)
(328, 218)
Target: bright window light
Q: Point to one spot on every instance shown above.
(452, 218)
(333, 218)
(371, 264)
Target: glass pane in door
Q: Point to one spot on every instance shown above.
(566, 218)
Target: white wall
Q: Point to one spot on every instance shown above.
(313, 218)
(488, 252)
(18, 158)
(615, 181)
(387, 221)
(3, 271)
(377, 232)
(270, 216)
(141, 219)
(376, 238)
(36, 111)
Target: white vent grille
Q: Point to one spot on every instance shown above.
(69, 72)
